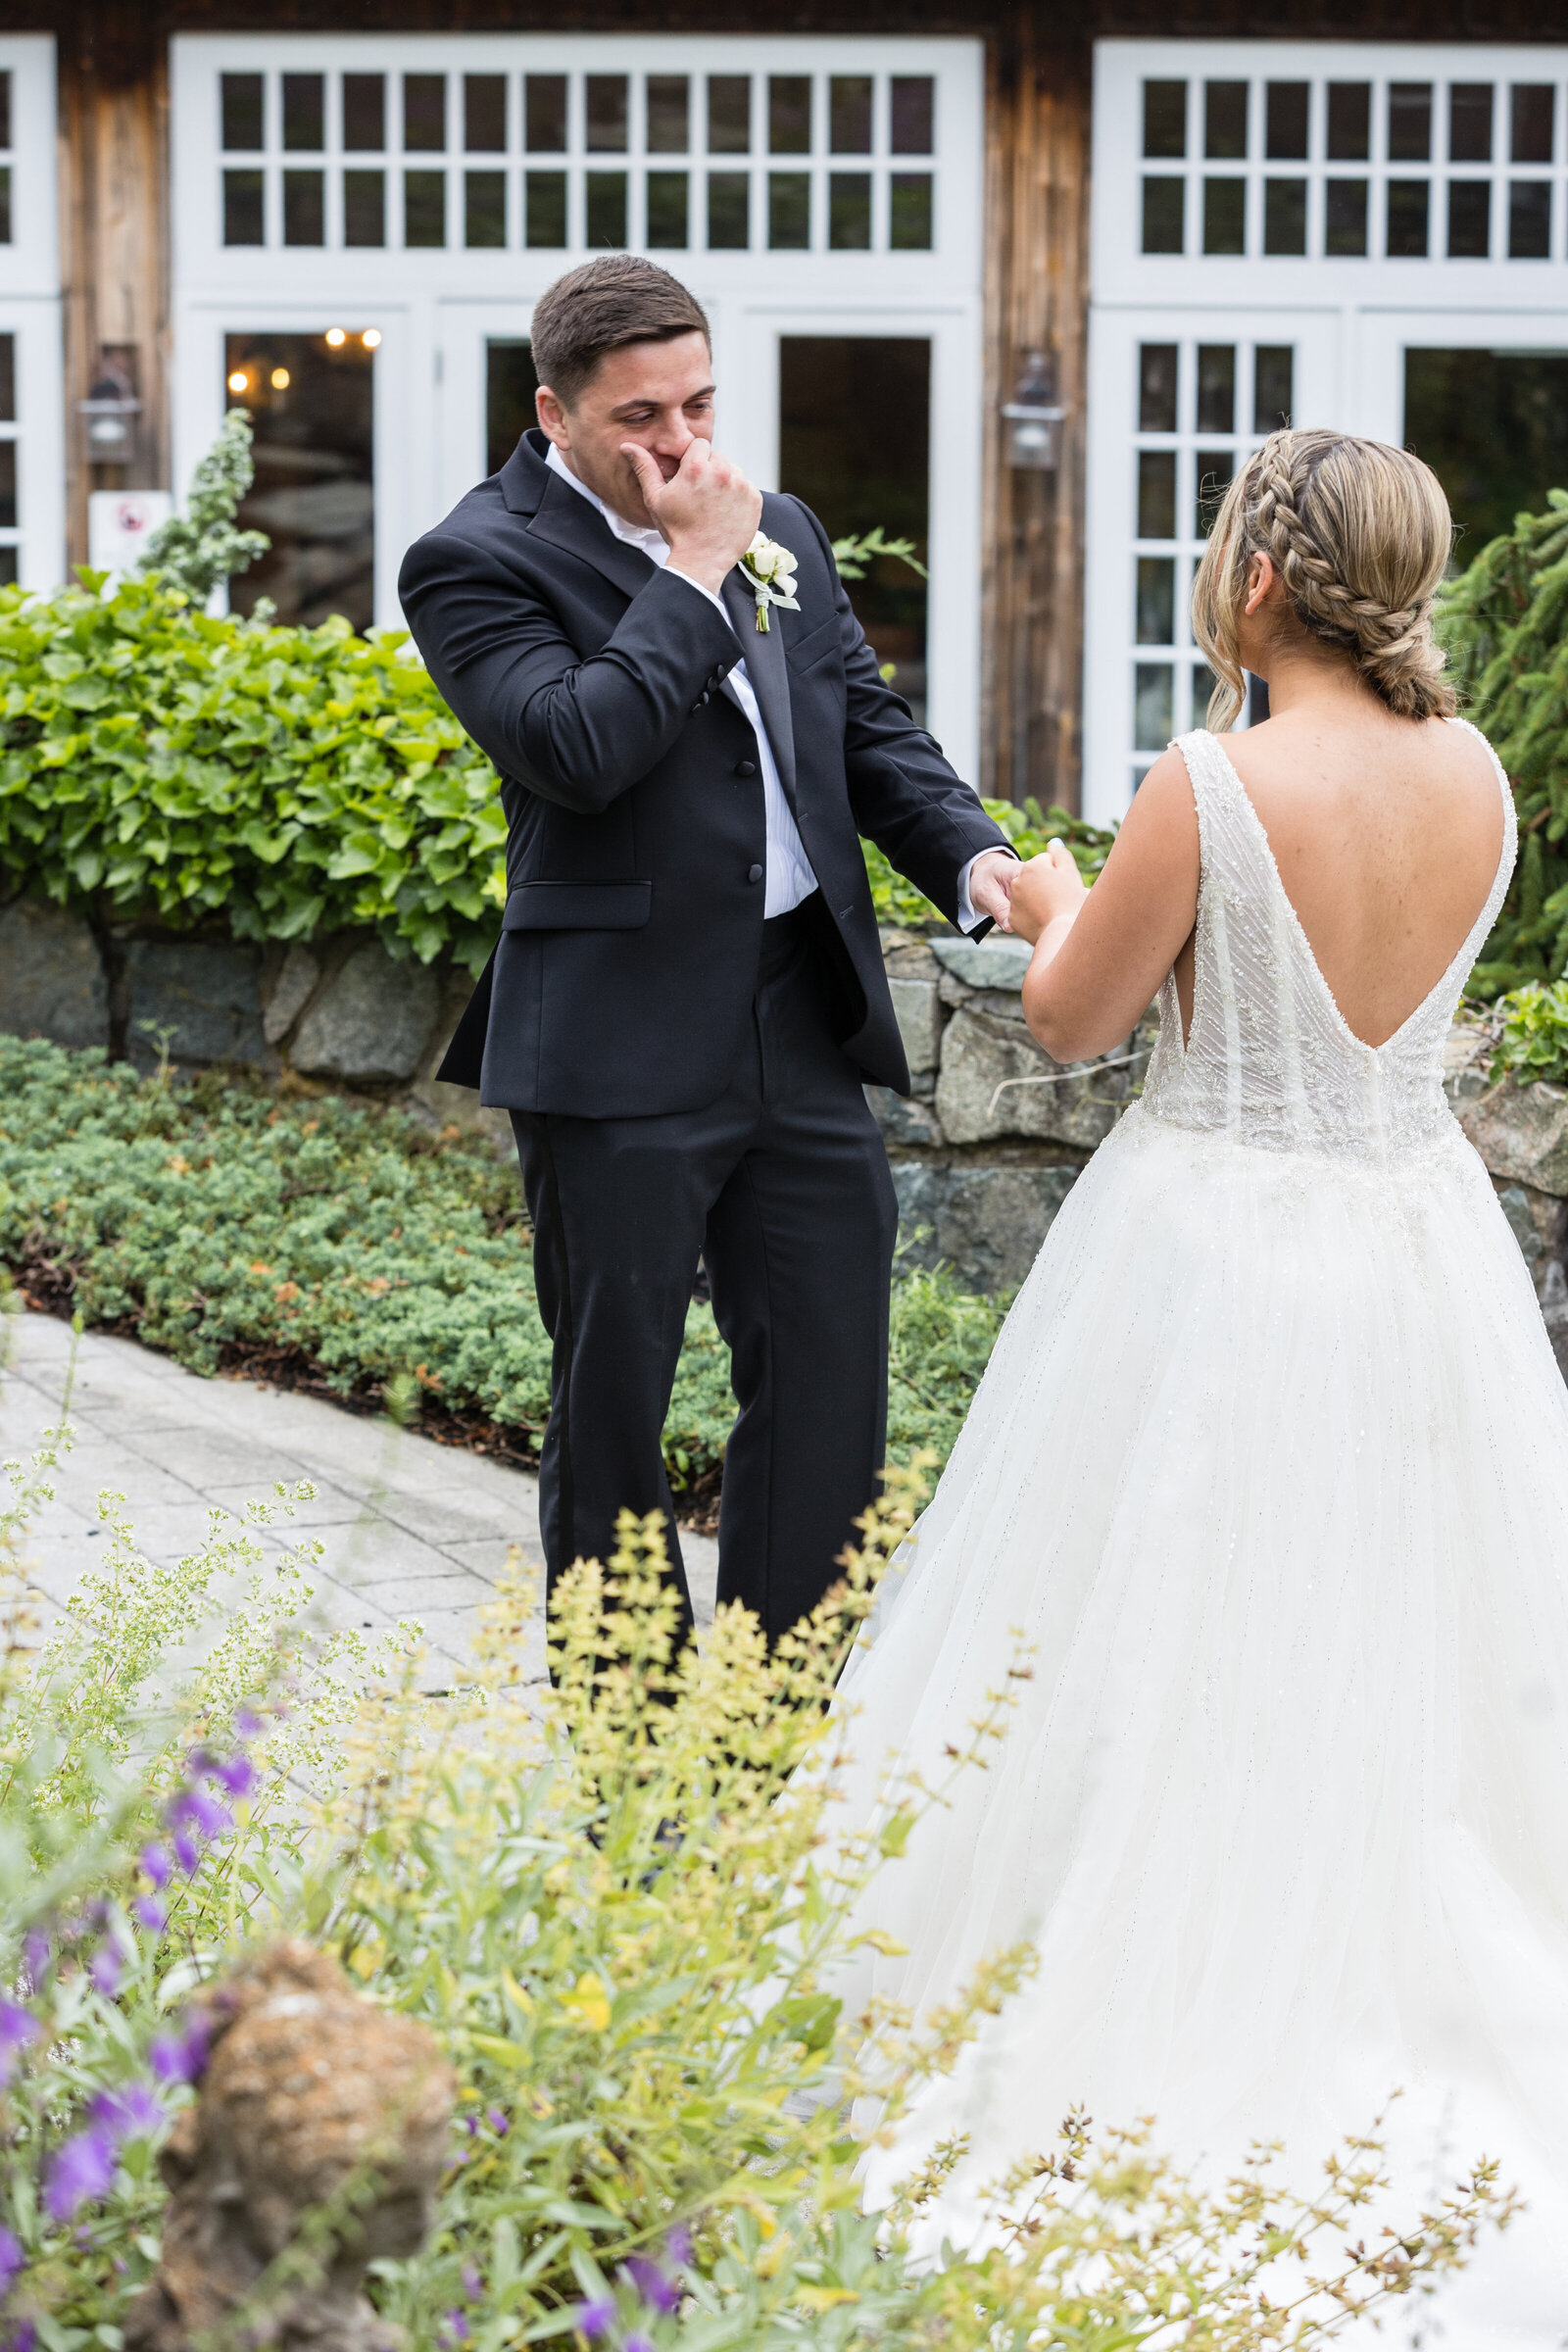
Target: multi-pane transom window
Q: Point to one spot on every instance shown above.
(1201, 407)
(1352, 164)
(674, 162)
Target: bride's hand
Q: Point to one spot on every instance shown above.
(1044, 889)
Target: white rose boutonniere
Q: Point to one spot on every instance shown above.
(769, 571)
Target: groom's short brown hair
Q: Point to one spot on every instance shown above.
(604, 304)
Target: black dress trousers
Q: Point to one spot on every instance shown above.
(782, 1184)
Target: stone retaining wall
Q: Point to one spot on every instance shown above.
(983, 1156)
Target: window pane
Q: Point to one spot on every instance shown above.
(667, 209)
(304, 113)
(1407, 218)
(1470, 122)
(909, 212)
(544, 110)
(242, 209)
(1529, 221)
(304, 207)
(1164, 203)
(365, 113)
(1469, 218)
(1203, 685)
(1151, 700)
(912, 108)
(789, 209)
(1534, 104)
(5, 204)
(1493, 427)
(1409, 121)
(1285, 215)
(4, 110)
(242, 113)
(424, 112)
(1224, 216)
(8, 379)
(484, 114)
(1165, 118)
(850, 114)
(1225, 119)
(1344, 223)
(365, 208)
(1212, 470)
(1273, 387)
(729, 211)
(668, 114)
(424, 207)
(510, 381)
(1287, 120)
(1156, 494)
(544, 206)
(1157, 599)
(1217, 387)
(314, 492)
(607, 209)
(848, 211)
(484, 208)
(1157, 388)
(8, 566)
(1350, 121)
(788, 113)
(729, 114)
(8, 485)
(606, 114)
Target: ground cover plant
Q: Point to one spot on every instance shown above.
(346, 1247)
(631, 2014)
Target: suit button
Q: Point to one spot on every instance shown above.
(754, 874)
(746, 767)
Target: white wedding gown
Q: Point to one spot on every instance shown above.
(1270, 1468)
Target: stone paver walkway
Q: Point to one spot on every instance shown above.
(409, 1528)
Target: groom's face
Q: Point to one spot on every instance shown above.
(658, 394)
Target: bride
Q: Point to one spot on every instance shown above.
(1269, 1468)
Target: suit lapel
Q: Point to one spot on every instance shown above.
(769, 673)
(567, 521)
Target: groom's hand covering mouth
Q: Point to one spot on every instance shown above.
(707, 509)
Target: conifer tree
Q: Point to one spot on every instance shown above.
(201, 549)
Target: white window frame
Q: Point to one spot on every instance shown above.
(31, 312)
(436, 308)
(1350, 318)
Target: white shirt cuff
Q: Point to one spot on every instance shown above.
(968, 920)
(716, 602)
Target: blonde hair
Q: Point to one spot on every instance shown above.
(1360, 534)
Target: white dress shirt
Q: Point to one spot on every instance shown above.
(790, 878)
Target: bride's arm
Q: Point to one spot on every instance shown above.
(1100, 956)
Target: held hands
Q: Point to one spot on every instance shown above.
(991, 881)
(708, 509)
(1045, 891)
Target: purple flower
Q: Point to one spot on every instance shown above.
(129, 2113)
(497, 2121)
(105, 1971)
(594, 2319)
(455, 2326)
(237, 1775)
(180, 2057)
(247, 1724)
(35, 1954)
(470, 2125)
(156, 1863)
(678, 2246)
(151, 1912)
(17, 2026)
(83, 2168)
(472, 2284)
(11, 2258)
(187, 1853)
(638, 2343)
(196, 1805)
(23, 2338)
(652, 2284)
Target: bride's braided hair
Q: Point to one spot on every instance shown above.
(1360, 535)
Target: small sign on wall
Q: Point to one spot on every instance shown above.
(119, 523)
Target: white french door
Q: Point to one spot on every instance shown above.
(32, 454)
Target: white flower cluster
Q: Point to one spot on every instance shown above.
(770, 574)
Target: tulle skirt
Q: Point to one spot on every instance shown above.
(1269, 1476)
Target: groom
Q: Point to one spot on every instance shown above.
(688, 991)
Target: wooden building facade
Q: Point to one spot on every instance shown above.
(1171, 225)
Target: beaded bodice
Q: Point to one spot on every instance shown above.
(1270, 1060)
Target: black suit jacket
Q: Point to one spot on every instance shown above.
(623, 979)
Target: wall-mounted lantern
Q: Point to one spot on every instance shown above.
(1033, 416)
(110, 409)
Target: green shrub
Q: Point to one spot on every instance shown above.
(1534, 1039)
(899, 905)
(228, 1225)
(633, 2015)
(1504, 625)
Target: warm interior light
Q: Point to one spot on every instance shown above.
(279, 380)
(371, 338)
(239, 381)
(336, 337)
